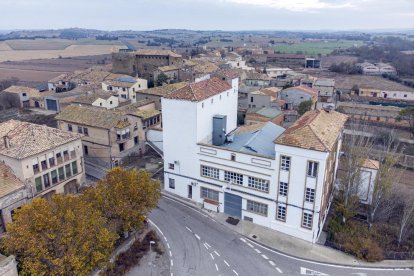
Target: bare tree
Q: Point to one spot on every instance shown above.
(389, 154)
(356, 147)
(406, 211)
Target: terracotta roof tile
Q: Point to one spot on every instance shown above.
(163, 90)
(9, 183)
(315, 130)
(199, 91)
(27, 139)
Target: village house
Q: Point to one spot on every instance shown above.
(110, 135)
(46, 160)
(326, 90)
(99, 99)
(264, 114)
(405, 94)
(125, 87)
(257, 79)
(277, 178)
(170, 71)
(265, 97)
(294, 96)
(22, 97)
(156, 93)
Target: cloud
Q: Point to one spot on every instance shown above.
(297, 5)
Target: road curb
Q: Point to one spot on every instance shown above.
(172, 197)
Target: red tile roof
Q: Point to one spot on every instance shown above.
(306, 89)
(199, 91)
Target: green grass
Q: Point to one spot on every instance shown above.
(315, 48)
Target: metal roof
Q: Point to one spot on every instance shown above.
(259, 140)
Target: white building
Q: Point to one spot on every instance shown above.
(245, 172)
(125, 87)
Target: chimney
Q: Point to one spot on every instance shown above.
(6, 140)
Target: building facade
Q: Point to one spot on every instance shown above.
(245, 171)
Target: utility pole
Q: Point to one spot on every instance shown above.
(151, 243)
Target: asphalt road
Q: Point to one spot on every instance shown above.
(198, 245)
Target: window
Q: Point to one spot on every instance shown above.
(121, 147)
(307, 220)
(171, 183)
(283, 188)
(405, 95)
(281, 212)
(256, 207)
(209, 194)
(66, 154)
(70, 127)
(310, 195)
(136, 140)
(202, 105)
(312, 169)
(85, 150)
(52, 160)
(171, 166)
(54, 177)
(61, 173)
(74, 168)
(259, 184)
(285, 163)
(68, 171)
(85, 131)
(210, 172)
(43, 164)
(35, 166)
(46, 180)
(38, 182)
(24, 94)
(80, 129)
(233, 157)
(233, 177)
(251, 99)
(59, 157)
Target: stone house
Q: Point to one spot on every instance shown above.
(110, 136)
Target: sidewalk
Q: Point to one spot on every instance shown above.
(290, 245)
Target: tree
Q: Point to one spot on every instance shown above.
(125, 197)
(386, 176)
(62, 236)
(406, 214)
(161, 79)
(356, 149)
(304, 107)
(408, 114)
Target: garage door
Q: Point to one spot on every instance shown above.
(232, 205)
(51, 105)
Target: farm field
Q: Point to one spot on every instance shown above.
(71, 51)
(315, 48)
(52, 43)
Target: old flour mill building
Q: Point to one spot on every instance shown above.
(280, 179)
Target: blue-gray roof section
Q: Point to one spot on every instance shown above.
(259, 140)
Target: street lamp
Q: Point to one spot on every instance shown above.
(151, 243)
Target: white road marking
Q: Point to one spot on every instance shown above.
(165, 238)
(212, 256)
(243, 240)
(226, 263)
(306, 271)
(170, 253)
(216, 267)
(279, 270)
(235, 272)
(272, 263)
(257, 250)
(209, 246)
(197, 236)
(172, 274)
(249, 244)
(189, 229)
(168, 245)
(172, 263)
(359, 274)
(265, 257)
(330, 265)
(159, 230)
(205, 246)
(216, 253)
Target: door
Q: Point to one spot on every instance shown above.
(190, 191)
(51, 104)
(232, 205)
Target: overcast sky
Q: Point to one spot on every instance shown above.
(207, 14)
